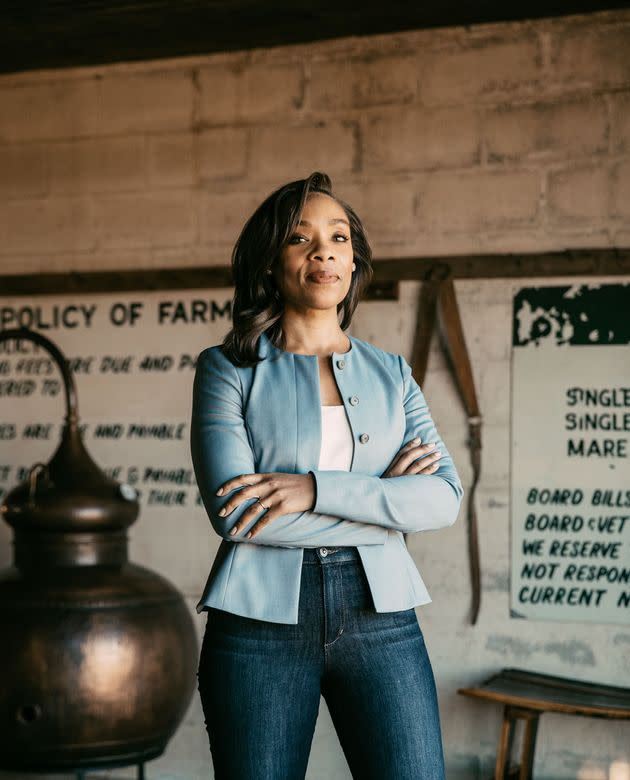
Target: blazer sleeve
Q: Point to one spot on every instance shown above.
(408, 503)
(221, 450)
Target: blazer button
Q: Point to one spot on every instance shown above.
(341, 363)
(354, 400)
(364, 438)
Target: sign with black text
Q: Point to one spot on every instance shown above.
(570, 465)
(133, 356)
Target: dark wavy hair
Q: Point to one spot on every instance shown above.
(257, 305)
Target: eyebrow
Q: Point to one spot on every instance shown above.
(330, 222)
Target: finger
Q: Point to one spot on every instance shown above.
(407, 458)
(242, 479)
(269, 517)
(429, 462)
(248, 515)
(405, 448)
(253, 490)
(420, 464)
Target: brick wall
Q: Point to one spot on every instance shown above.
(497, 138)
(492, 138)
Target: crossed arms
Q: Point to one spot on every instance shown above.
(350, 508)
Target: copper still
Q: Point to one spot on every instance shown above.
(97, 655)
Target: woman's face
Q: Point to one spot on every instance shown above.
(315, 268)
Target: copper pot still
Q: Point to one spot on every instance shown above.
(97, 655)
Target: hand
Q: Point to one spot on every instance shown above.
(406, 459)
(280, 493)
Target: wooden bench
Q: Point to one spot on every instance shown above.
(526, 695)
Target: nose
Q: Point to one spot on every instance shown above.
(322, 249)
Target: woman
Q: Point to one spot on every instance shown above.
(314, 452)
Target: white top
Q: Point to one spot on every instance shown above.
(336, 447)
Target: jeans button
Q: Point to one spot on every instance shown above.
(354, 400)
(364, 438)
(341, 363)
(323, 552)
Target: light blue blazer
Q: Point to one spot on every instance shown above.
(268, 418)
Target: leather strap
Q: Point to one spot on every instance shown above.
(437, 297)
(427, 315)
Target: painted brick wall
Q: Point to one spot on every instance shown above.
(493, 138)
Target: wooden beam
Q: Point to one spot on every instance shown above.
(66, 33)
(571, 262)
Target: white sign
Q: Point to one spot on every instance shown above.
(570, 467)
(133, 356)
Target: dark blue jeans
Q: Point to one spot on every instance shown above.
(260, 682)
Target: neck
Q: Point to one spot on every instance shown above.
(313, 338)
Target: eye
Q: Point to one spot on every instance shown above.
(296, 238)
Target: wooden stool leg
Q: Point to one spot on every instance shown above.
(529, 746)
(505, 745)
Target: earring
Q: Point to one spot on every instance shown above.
(268, 270)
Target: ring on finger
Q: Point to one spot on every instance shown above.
(261, 503)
